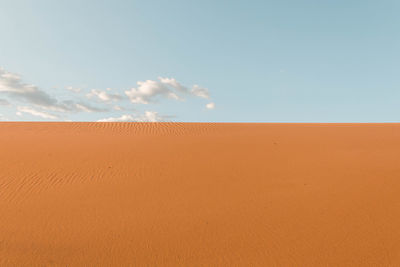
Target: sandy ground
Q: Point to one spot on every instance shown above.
(187, 194)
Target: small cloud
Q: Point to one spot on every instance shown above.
(174, 84)
(34, 112)
(148, 91)
(152, 116)
(210, 105)
(200, 91)
(103, 95)
(74, 89)
(88, 108)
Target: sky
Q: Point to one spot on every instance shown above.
(200, 61)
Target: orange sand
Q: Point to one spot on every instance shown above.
(189, 194)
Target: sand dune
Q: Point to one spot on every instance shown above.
(192, 194)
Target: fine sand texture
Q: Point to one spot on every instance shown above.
(199, 194)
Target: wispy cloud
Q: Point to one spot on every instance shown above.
(88, 108)
(36, 113)
(103, 95)
(30, 99)
(148, 116)
(148, 91)
(74, 89)
(13, 86)
(200, 91)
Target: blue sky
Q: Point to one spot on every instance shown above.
(249, 61)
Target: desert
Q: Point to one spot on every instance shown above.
(199, 194)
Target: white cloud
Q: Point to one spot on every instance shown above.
(148, 91)
(34, 112)
(210, 105)
(12, 85)
(103, 95)
(151, 116)
(30, 99)
(88, 108)
(148, 116)
(74, 89)
(174, 84)
(200, 91)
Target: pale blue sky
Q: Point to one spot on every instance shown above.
(262, 61)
